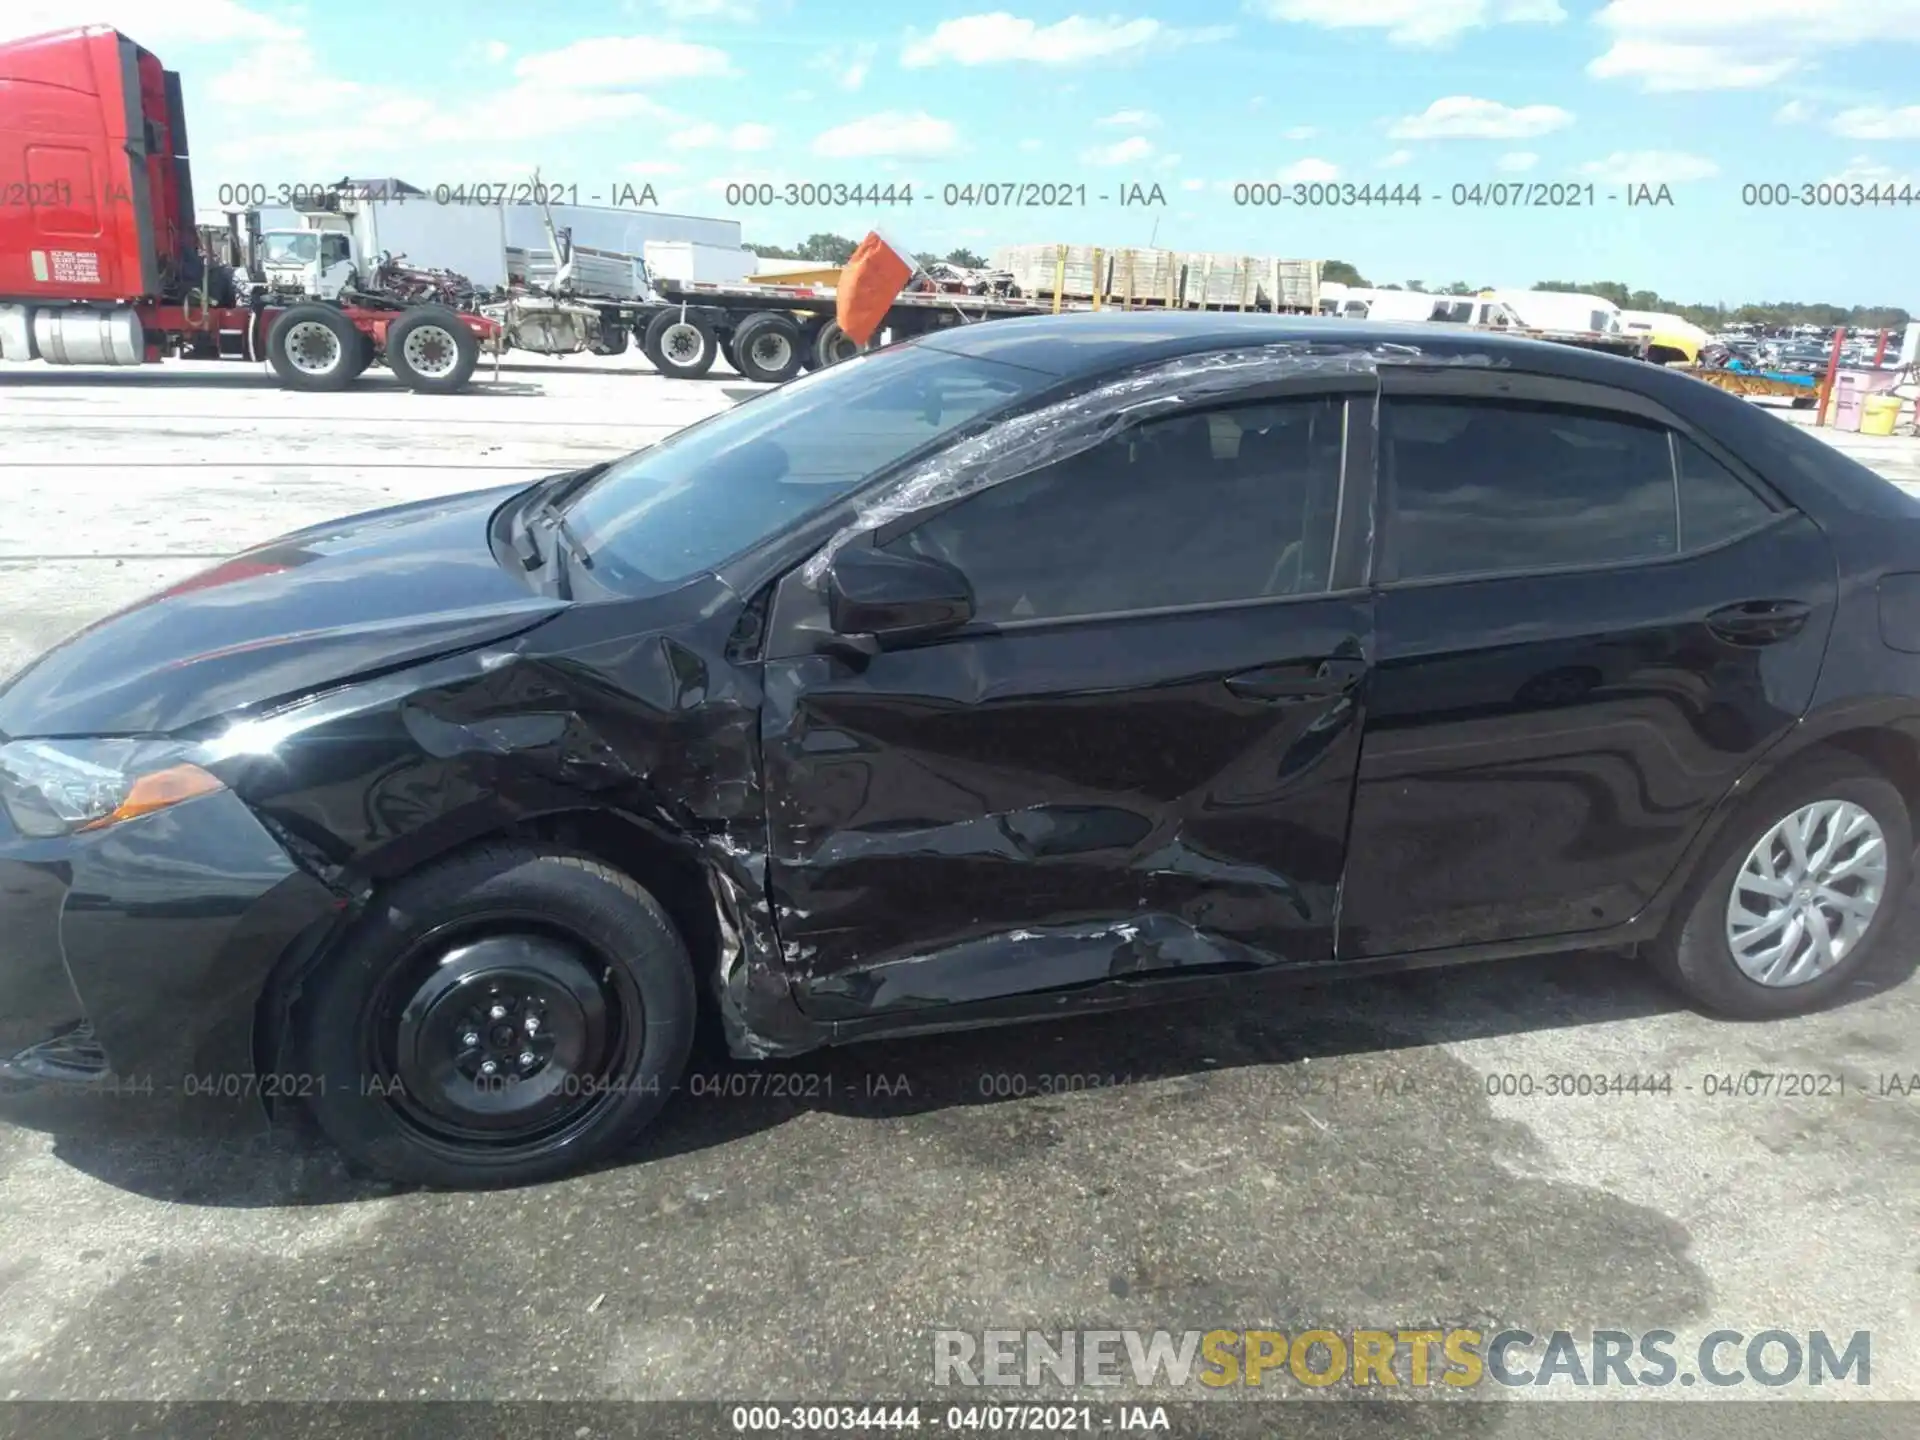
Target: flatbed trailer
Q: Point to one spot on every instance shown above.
(770, 332)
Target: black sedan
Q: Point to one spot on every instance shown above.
(1033, 666)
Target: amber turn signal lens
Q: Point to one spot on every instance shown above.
(157, 791)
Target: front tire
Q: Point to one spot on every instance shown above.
(506, 1016)
(1796, 896)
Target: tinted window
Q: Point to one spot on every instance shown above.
(715, 489)
(1715, 504)
(1225, 505)
(1478, 487)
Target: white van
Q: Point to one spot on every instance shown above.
(1530, 310)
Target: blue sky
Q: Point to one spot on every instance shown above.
(1705, 96)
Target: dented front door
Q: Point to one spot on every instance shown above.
(1117, 771)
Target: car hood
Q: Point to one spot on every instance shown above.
(364, 593)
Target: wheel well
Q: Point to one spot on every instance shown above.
(677, 879)
(1891, 752)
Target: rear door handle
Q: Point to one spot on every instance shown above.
(1759, 622)
(1303, 680)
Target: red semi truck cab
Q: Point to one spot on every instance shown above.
(96, 198)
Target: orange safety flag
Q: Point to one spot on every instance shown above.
(868, 283)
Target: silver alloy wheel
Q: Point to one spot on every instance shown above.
(772, 350)
(682, 343)
(1806, 893)
(430, 351)
(313, 348)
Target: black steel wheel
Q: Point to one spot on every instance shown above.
(506, 1016)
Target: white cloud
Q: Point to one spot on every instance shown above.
(1463, 117)
(1414, 22)
(1306, 171)
(1131, 151)
(1299, 132)
(1673, 45)
(1878, 122)
(1514, 161)
(1000, 38)
(1033, 144)
(1130, 119)
(1396, 159)
(614, 61)
(1669, 68)
(850, 65)
(1793, 113)
(708, 136)
(1650, 167)
(653, 167)
(802, 97)
(1193, 184)
(496, 50)
(1865, 170)
(891, 133)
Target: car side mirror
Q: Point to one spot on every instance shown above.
(895, 598)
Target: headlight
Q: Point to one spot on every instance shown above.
(55, 787)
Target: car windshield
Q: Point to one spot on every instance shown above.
(700, 497)
(290, 249)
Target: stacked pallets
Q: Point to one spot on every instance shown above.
(1132, 277)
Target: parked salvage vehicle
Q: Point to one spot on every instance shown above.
(1055, 664)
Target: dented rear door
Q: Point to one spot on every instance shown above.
(1137, 761)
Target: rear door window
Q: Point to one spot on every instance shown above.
(1485, 487)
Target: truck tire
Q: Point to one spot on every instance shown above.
(681, 348)
(766, 348)
(833, 345)
(432, 350)
(313, 347)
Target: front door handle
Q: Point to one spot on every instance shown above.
(1759, 622)
(1303, 680)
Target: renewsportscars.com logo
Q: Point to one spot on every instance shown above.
(1415, 1358)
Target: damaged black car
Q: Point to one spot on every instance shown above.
(1031, 667)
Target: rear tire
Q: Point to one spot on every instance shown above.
(313, 347)
(562, 974)
(682, 349)
(432, 350)
(1697, 952)
(766, 348)
(833, 345)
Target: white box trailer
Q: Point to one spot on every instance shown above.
(693, 263)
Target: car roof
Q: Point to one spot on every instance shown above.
(1086, 344)
(1081, 347)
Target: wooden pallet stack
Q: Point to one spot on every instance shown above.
(1293, 285)
(1216, 280)
(1075, 272)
